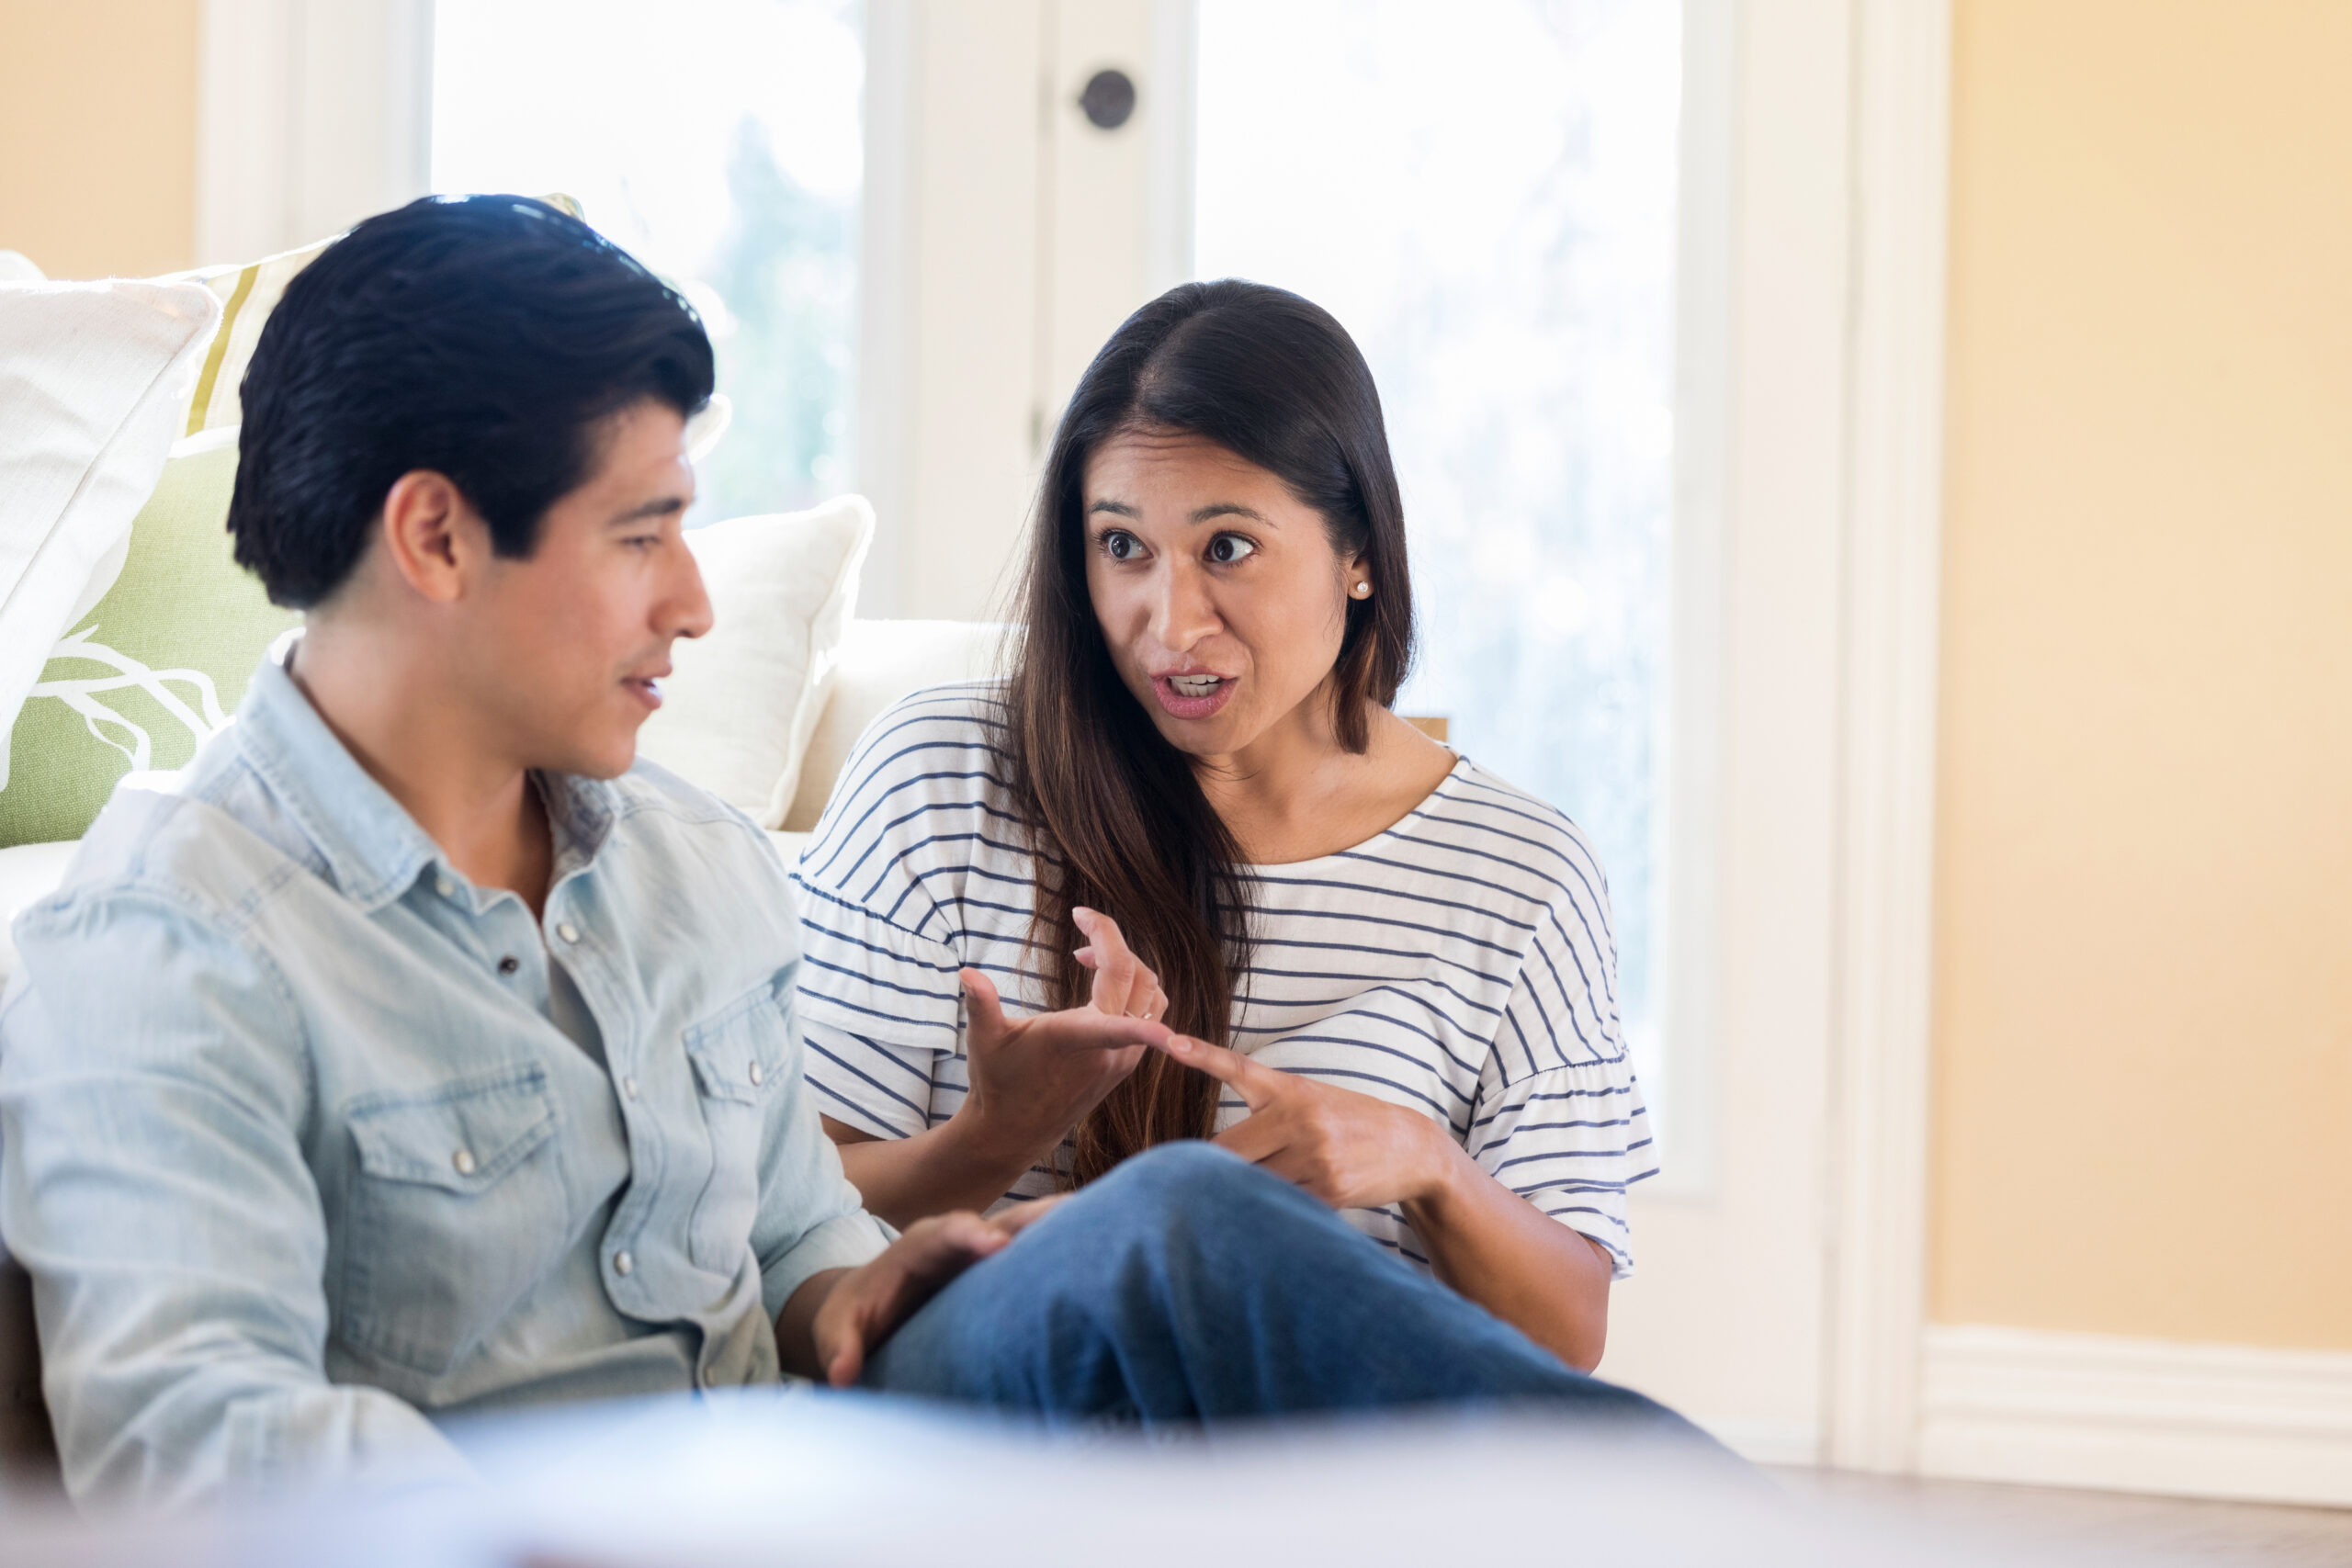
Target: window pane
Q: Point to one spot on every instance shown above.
(719, 140)
(1484, 193)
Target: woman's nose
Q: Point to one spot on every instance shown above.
(1183, 613)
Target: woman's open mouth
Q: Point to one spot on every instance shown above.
(1193, 696)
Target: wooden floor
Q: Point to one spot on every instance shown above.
(2097, 1529)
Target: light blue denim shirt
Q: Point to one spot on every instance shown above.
(304, 1160)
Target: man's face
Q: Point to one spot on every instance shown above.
(567, 645)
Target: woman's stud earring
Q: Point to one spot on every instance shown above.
(1363, 590)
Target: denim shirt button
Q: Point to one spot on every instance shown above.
(623, 1264)
(756, 1074)
(444, 886)
(628, 1088)
(464, 1160)
(508, 964)
(569, 932)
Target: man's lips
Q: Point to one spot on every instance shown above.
(646, 689)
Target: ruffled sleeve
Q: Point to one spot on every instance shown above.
(1559, 1118)
(879, 1004)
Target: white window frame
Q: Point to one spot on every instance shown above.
(1884, 950)
(311, 115)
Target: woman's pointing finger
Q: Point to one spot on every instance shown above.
(1255, 1084)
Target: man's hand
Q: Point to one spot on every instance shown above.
(1348, 1149)
(1036, 1078)
(835, 1320)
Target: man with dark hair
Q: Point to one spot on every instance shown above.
(417, 1055)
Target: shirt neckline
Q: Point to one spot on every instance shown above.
(1460, 766)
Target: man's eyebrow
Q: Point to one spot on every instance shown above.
(659, 506)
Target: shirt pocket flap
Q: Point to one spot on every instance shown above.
(739, 1051)
(463, 1136)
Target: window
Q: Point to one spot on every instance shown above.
(721, 143)
(1484, 193)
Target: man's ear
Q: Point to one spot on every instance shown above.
(431, 538)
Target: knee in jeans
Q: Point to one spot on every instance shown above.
(1190, 1178)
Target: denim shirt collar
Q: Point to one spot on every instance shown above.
(373, 848)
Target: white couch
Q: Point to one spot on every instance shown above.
(880, 661)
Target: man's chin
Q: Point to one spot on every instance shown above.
(612, 762)
(606, 757)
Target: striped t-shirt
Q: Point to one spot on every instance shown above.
(1460, 963)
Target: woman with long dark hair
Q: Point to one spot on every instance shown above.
(1390, 975)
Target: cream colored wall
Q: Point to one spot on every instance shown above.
(2144, 1019)
(97, 134)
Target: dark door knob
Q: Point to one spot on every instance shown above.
(1109, 99)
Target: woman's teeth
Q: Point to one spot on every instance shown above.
(1195, 685)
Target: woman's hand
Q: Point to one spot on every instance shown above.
(1355, 1152)
(1034, 1079)
(1348, 1149)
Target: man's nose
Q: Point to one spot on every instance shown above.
(686, 610)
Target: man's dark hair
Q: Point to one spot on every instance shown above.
(483, 337)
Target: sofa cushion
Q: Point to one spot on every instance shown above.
(155, 666)
(742, 701)
(880, 663)
(92, 379)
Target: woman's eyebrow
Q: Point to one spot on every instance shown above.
(1200, 514)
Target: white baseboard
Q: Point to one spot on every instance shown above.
(2136, 1414)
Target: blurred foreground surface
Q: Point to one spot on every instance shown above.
(815, 1479)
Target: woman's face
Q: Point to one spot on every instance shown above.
(1217, 591)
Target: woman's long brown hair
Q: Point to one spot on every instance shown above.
(1118, 820)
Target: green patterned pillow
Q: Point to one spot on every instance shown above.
(153, 668)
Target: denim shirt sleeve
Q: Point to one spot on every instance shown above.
(163, 1203)
(810, 1217)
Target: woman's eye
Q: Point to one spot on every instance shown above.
(1119, 546)
(1226, 549)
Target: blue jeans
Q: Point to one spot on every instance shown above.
(1189, 1286)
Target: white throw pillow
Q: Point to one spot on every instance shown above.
(882, 661)
(94, 380)
(741, 702)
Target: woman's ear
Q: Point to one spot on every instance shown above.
(1358, 577)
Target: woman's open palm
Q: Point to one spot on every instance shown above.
(1034, 1079)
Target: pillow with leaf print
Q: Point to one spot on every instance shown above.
(155, 667)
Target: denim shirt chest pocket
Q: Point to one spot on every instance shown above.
(739, 1055)
(458, 1208)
